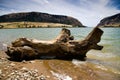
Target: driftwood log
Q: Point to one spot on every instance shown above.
(64, 46)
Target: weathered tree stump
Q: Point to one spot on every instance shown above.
(64, 46)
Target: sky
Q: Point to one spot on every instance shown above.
(88, 12)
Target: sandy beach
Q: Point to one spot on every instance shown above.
(51, 69)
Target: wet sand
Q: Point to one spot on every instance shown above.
(52, 69)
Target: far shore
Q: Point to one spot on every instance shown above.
(32, 25)
(12, 25)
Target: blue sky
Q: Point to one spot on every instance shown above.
(89, 12)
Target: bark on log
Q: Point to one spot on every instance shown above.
(64, 46)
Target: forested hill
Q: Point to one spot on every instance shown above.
(39, 17)
(111, 21)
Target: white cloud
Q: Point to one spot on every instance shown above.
(89, 12)
(46, 1)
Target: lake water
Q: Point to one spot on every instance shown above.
(106, 59)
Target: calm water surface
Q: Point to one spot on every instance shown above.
(107, 59)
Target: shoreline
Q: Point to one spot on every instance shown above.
(12, 25)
